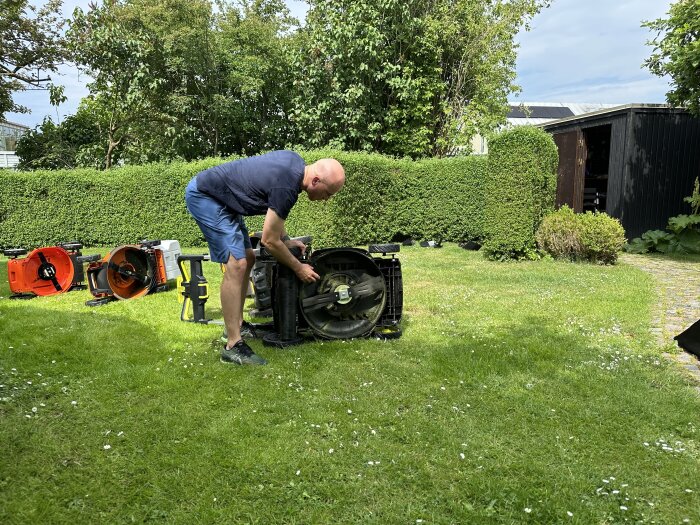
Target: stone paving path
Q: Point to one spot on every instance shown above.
(678, 288)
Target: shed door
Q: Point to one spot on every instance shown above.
(572, 165)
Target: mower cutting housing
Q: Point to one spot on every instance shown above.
(132, 271)
(46, 271)
(359, 294)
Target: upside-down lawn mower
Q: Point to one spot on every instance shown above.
(359, 294)
(46, 271)
(133, 270)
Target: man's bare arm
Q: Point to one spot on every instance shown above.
(273, 229)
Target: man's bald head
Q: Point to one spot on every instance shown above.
(331, 173)
(323, 179)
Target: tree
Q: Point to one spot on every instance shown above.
(172, 79)
(406, 77)
(59, 146)
(124, 60)
(257, 95)
(31, 45)
(677, 53)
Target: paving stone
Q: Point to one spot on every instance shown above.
(678, 289)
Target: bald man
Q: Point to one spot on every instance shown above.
(220, 197)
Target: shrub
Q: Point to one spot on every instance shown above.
(384, 199)
(558, 234)
(602, 237)
(520, 190)
(593, 237)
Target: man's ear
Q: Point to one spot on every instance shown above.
(315, 181)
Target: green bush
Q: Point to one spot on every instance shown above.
(602, 237)
(384, 198)
(520, 190)
(558, 235)
(594, 237)
(111, 207)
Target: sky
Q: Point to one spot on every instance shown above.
(576, 51)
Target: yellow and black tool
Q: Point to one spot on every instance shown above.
(193, 289)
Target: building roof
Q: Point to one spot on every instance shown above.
(612, 111)
(537, 113)
(14, 125)
(540, 112)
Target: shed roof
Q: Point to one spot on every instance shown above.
(538, 113)
(611, 111)
(549, 112)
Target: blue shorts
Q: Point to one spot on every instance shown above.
(225, 232)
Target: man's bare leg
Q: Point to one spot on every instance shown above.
(233, 291)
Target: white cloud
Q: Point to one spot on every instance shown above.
(590, 52)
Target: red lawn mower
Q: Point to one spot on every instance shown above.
(133, 270)
(46, 271)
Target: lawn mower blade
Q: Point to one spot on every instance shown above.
(139, 267)
(125, 272)
(367, 287)
(47, 272)
(319, 301)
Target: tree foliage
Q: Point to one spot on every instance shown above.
(174, 79)
(405, 77)
(677, 53)
(184, 79)
(31, 45)
(60, 146)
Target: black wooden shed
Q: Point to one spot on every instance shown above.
(635, 162)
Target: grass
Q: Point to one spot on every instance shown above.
(519, 393)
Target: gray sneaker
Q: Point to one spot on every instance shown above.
(241, 354)
(247, 331)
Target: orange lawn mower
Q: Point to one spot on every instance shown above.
(46, 271)
(133, 270)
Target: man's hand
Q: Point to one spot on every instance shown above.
(307, 274)
(294, 243)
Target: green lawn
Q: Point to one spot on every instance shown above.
(519, 393)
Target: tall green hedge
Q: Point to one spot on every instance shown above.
(112, 207)
(520, 190)
(384, 198)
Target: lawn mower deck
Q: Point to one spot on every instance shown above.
(359, 294)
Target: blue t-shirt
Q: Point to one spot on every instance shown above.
(251, 185)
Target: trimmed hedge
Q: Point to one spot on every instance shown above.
(118, 206)
(521, 190)
(383, 199)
